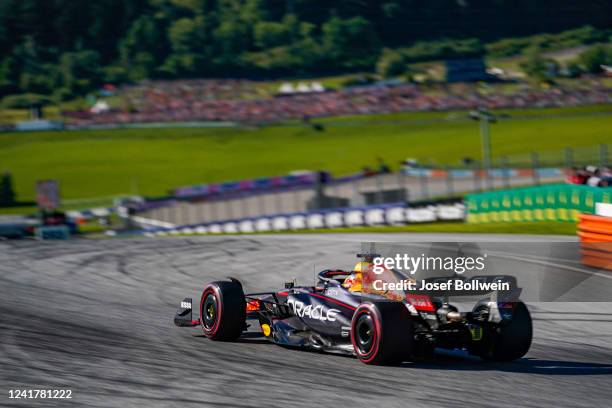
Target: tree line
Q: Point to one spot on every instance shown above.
(66, 48)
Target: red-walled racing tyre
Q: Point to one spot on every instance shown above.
(382, 332)
(222, 310)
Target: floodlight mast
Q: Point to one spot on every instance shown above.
(485, 117)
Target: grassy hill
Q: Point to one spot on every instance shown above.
(152, 161)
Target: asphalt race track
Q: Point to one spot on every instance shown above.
(95, 316)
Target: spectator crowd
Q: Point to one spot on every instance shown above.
(243, 102)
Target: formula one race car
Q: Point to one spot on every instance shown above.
(376, 327)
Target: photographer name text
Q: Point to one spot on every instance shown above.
(448, 285)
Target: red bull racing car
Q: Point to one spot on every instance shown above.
(376, 327)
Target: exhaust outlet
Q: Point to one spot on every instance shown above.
(453, 316)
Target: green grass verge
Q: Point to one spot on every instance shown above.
(153, 161)
(25, 210)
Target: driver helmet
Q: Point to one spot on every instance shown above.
(354, 281)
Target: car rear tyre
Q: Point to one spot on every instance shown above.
(510, 340)
(222, 310)
(382, 333)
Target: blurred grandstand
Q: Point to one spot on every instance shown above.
(242, 101)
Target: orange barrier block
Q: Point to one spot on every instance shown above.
(597, 247)
(595, 232)
(596, 262)
(593, 237)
